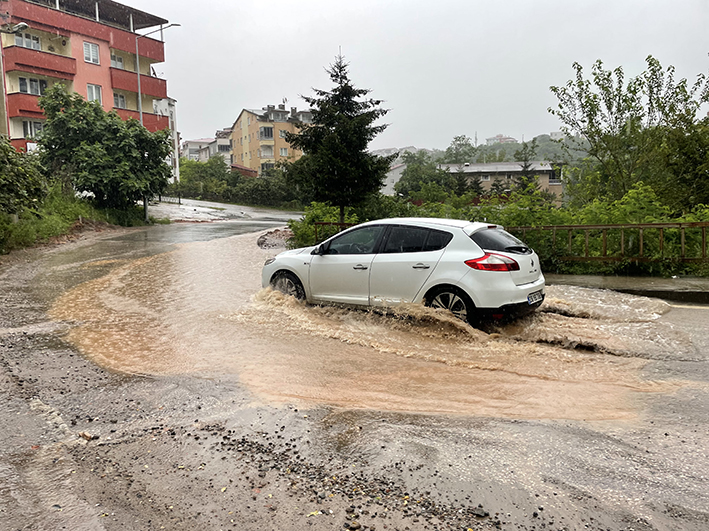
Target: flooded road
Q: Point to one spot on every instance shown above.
(199, 310)
(148, 382)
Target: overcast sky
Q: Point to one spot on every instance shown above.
(443, 67)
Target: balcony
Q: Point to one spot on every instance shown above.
(20, 104)
(108, 29)
(37, 62)
(128, 81)
(152, 122)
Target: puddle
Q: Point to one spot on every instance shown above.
(199, 310)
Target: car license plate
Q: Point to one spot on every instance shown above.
(535, 297)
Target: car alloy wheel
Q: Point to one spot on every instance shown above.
(288, 284)
(453, 300)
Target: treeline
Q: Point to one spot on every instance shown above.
(214, 181)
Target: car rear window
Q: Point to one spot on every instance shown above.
(499, 240)
(415, 240)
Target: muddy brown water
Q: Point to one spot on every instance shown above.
(200, 310)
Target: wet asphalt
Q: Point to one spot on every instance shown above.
(85, 448)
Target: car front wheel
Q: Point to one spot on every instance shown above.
(289, 284)
(454, 300)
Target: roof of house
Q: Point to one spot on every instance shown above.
(495, 167)
(113, 12)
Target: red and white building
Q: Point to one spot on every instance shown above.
(90, 47)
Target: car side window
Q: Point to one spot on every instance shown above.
(357, 241)
(415, 240)
(437, 240)
(405, 240)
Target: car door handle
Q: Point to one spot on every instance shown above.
(421, 266)
(360, 267)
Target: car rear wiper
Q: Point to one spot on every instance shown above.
(521, 249)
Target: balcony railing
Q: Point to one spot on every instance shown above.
(38, 62)
(152, 122)
(21, 104)
(127, 80)
(121, 38)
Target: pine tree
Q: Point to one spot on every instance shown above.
(336, 167)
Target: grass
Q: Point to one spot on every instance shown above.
(59, 214)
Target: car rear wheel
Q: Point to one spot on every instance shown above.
(288, 284)
(454, 300)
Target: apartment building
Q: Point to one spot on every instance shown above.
(90, 47)
(258, 137)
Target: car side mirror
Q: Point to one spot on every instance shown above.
(318, 250)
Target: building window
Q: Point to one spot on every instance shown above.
(554, 179)
(281, 133)
(91, 53)
(484, 177)
(33, 86)
(265, 133)
(223, 148)
(284, 152)
(28, 41)
(119, 100)
(117, 61)
(93, 93)
(31, 129)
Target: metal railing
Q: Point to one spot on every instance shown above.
(642, 242)
(337, 226)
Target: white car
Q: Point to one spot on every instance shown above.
(475, 270)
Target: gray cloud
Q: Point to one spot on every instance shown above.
(444, 67)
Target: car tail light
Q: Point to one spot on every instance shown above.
(493, 262)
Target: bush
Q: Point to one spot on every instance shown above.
(54, 216)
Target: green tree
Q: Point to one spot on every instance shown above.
(493, 153)
(498, 187)
(22, 184)
(205, 180)
(460, 151)
(526, 181)
(119, 162)
(684, 156)
(622, 123)
(336, 167)
(421, 170)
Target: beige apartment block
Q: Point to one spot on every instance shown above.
(258, 137)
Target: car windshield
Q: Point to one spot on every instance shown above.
(499, 240)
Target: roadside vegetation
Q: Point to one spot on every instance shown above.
(90, 167)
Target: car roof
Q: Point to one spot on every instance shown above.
(468, 226)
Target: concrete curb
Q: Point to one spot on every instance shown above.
(691, 290)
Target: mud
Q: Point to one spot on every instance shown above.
(245, 412)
